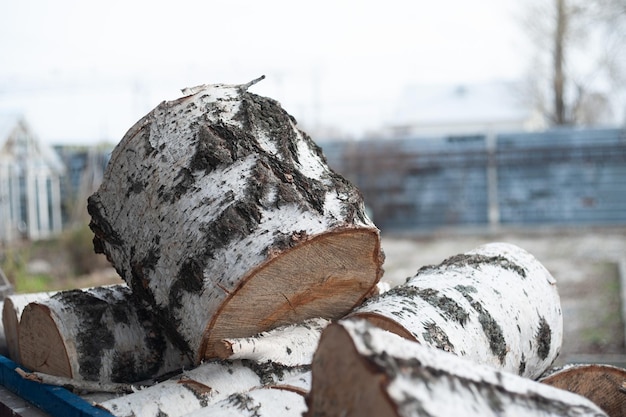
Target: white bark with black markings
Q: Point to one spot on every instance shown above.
(97, 334)
(495, 305)
(260, 402)
(291, 345)
(226, 220)
(362, 370)
(204, 385)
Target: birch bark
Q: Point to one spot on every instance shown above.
(97, 334)
(226, 221)
(204, 385)
(362, 370)
(495, 305)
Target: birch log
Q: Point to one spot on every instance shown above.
(204, 385)
(602, 384)
(11, 314)
(291, 345)
(362, 370)
(226, 220)
(495, 305)
(260, 402)
(97, 334)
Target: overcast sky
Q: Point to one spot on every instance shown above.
(85, 71)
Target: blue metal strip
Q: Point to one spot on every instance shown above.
(56, 401)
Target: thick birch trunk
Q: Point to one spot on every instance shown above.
(98, 334)
(11, 314)
(226, 220)
(602, 384)
(291, 345)
(361, 370)
(204, 385)
(495, 305)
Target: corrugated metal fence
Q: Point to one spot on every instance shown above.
(569, 176)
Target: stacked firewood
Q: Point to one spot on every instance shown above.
(252, 288)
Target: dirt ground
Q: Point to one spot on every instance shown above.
(584, 262)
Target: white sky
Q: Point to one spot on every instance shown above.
(85, 71)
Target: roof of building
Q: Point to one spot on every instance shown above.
(9, 122)
(488, 103)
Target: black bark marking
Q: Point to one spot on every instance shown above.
(491, 328)
(543, 338)
(465, 290)
(185, 180)
(148, 149)
(284, 241)
(476, 261)
(522, 366)
(263, 114)
(244, 402)
(95, 338)
(212, 149)
(270, 372)
(450, 308)
(140, 278)
(135, 186)
(99, 225)
(436, 335)
(236, 222)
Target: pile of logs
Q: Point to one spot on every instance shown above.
(253, 289)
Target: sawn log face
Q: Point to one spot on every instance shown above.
(202, 198)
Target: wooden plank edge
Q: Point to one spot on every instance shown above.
(56, 401)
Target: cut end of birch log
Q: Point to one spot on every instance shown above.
(326, 276)
(225, 219)
(602, 384)
(41, 346)
(97, 334)
(361, 370)
(11, 314)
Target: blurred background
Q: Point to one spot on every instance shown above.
(461, 122)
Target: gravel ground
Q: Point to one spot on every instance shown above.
(583, 261)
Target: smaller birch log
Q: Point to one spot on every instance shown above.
(97, 334)
(292, 345)
(11, 314)
(206, 384)
(602, 384)
(495, 305)
(362, 370)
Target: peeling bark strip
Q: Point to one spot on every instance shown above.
(496, 305)
(226, 220)
(98, 334)
(602, 384)
(361, 370)
(292, 345)
(204, 385)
